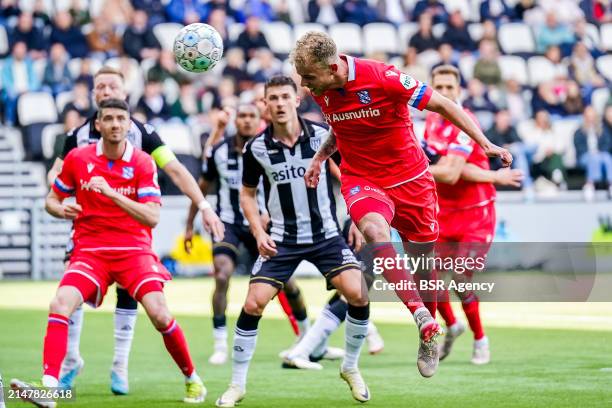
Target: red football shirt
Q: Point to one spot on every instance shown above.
(372, 124)
(103, 225)
(447, 139)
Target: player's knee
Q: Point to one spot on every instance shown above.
(160, 316)
(375, 229)
(356, 296)
(60, 305)
(254, 306)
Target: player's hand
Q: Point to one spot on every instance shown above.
(312, 174)
(99, 185)
(509, 177)
(495, 151)
(213, 224)
(71, 210)
(265, 245)
(188, 239)
(223, 117)
(355, 238)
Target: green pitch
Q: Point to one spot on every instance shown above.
(530, 367)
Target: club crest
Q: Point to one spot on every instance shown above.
(315, 143)
(355, 190)
(364, 97)
(128, 173)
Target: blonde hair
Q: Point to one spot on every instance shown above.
(314, 47)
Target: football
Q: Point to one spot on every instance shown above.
(198, 47)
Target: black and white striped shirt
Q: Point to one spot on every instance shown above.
(224, 165)
(298, 215)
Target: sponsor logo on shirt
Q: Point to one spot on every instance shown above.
(407, 81)
(364, 97)
(348, 257)
(354, 190)
(90, 167)
(288, 173)
(326, 99)
(352, 115)
(128, 173)
(125, 191)
(390, 73)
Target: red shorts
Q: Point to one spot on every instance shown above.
(131, 270)
(412, 205)
(472, 229)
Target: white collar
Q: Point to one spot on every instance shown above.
(127, 155)
(351, 67)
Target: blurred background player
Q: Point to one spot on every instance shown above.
(109, 84)
(366, 104)
(466, 197)
(303, 227)
(117, 204)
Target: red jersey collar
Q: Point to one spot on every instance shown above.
(127, 155)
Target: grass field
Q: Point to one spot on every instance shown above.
(555, 366)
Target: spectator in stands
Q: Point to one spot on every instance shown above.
(424, 38)
(153, 8)
(117, 12)
(322, 12)
(582, 69)
(234, 16)
(251, 38)
(597, 11)
(70, 36)
(27, 32)
(267, 65)
(393, 11)
(487, 68)
(489, 31)
(139, 42)
(9, 9)
(589, 39)
(187, 11)
(81, 102)
(57, 77)
(18, 77)
(573, 104)
(79, 12)
(593, 143)
(548, 149)
(357, 12)
(185, 106)
(457, 34)
(521, 7)
(290, 11)
(153, 103)
(446, 55)
(103, 40)
(434, 7)
(566, 11)
(259, 8)
(235, 68)
(85, 73)
(165, 68)
(218, 20)
(412, 65)
(226, 94)
(549, 97)
(495, 10)
(516, 101)
(502, 133)
(40, 13)
(553, 33)
(479, 103)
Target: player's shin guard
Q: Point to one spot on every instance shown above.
(56, 343)
(471, 307)
(175, 342)
(445, 309)
(409, 296)
(126, 314)
(356, 332)
(245, 340)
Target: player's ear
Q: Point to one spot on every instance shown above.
(97, 124)
(333, 68)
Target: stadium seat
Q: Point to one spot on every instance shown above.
(438, 30)
(95, 7)
(476, 30)
(74, 65)
(301, 29)
(166, 33)
(62, 99)
(606, 36)
(49, 134)
(4, 43)
(178, 137)
(380, 37)
(540, 70)
(36, 107)
(593, 32)
(513, 67)
(279, 36)
(234, 30)
(429, 58)
(604, 65)
(347, 37)
(516, 38)
(406, 31)
(466, 66)
(599, 99)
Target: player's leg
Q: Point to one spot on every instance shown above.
(224, 268)
(454, 327)
(245, 339)
(298, 305)
(150, 295)
(126, 313)
(375, 342)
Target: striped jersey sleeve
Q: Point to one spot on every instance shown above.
(148, 188)
(405, 88)
(64, 184)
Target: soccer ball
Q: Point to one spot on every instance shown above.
(198, 47)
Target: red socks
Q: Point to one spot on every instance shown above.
(175, 342)
(445, 309)
(472, 312)
(56, 343)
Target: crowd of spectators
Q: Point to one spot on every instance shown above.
(57, 51)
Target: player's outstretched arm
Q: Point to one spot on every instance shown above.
(248, 203)
(501, 177)
(193, 210)
(186, 183)
(54, 170)
(448, 169)
(328, 148)
(453, 112)
(54, 205)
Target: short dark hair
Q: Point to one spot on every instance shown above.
(280, 80)
(446, 70)
(113, 104)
